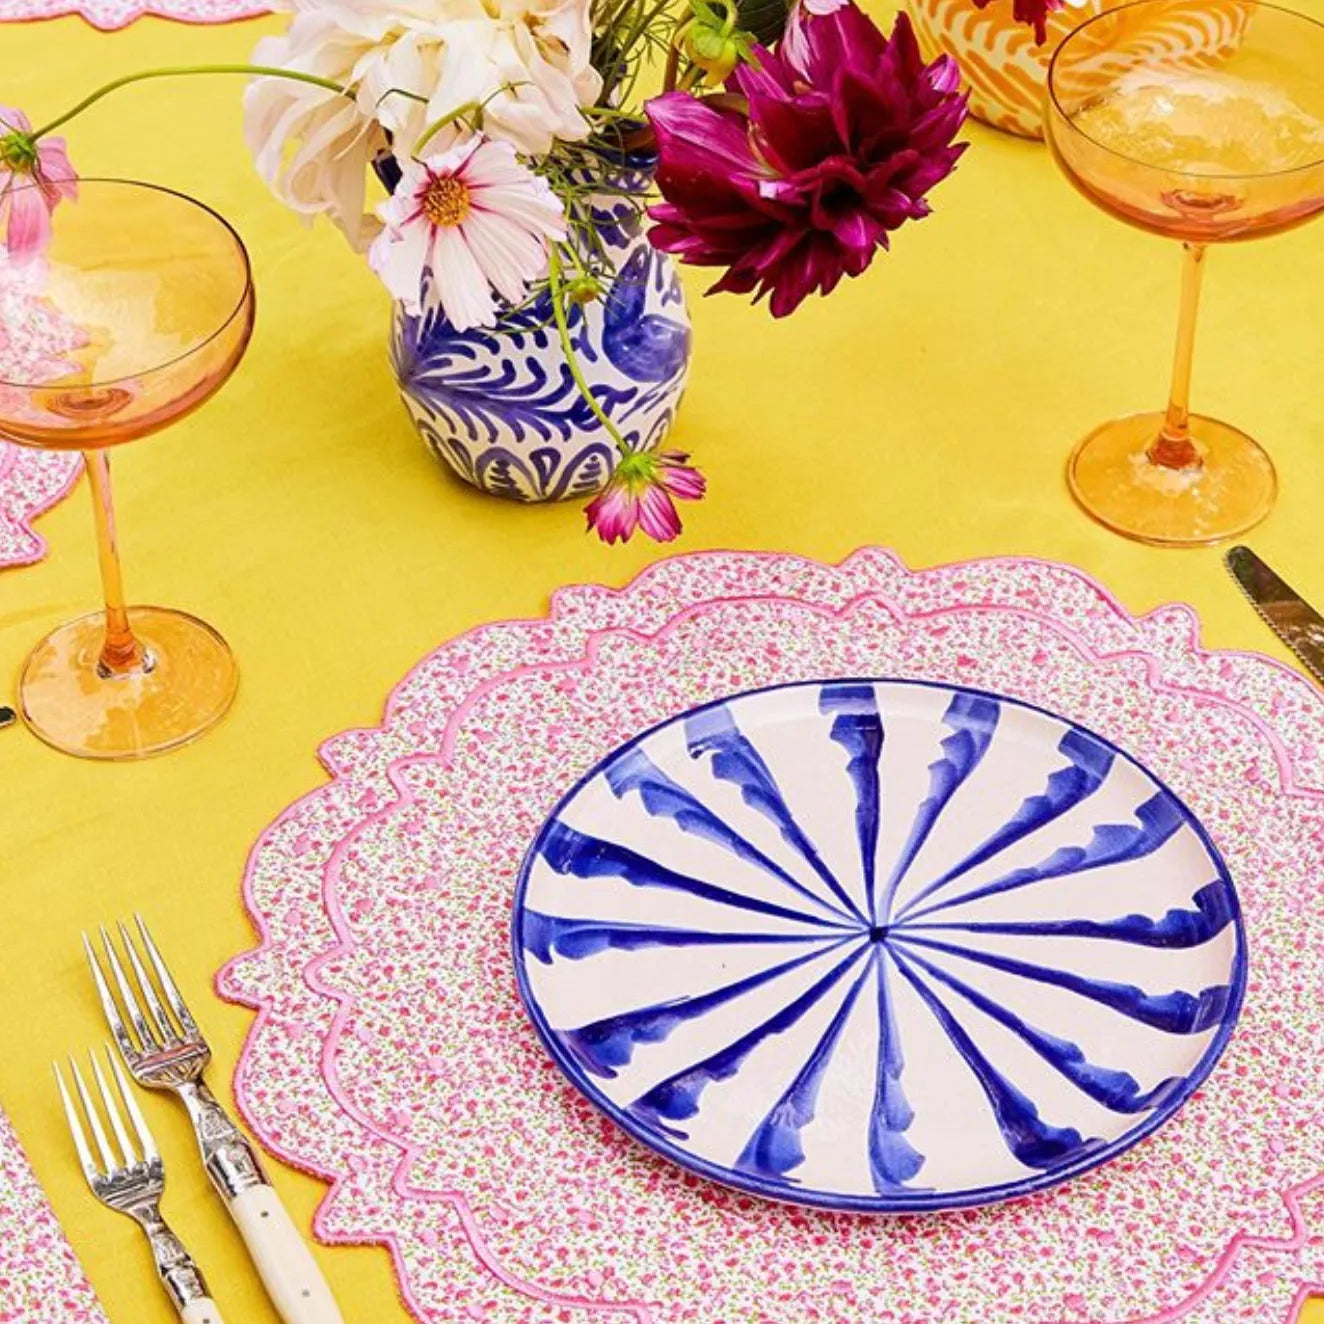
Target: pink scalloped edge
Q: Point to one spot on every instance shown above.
(637, 1310)
(31, 482)
(111, 15)
(326, 751)
(1241, 1240)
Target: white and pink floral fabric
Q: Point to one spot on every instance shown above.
(33, 340)
(41, 1281)
(111, 14)
(391, 1055)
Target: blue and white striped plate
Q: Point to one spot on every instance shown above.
(879, 945)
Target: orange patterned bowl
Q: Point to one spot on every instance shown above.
(1006, 72)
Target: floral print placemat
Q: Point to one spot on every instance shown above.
(392, 1056)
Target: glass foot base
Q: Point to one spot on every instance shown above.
(188, 682)
(1115, 483)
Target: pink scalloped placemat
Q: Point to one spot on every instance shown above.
(109, 15)
(33, 340)
(392, 1058)
(41, 1281)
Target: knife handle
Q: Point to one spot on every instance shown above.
(289, 1273)
(291, 1276)
(201, 1311)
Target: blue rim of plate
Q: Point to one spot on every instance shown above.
(920, 1202)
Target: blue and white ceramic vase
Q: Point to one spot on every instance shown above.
(499, 404)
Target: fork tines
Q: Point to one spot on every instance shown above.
(153, 1026)
(130, 1156)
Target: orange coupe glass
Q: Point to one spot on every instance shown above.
(1203, 121)
(159, 292)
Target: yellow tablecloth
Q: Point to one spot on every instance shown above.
(928, 406)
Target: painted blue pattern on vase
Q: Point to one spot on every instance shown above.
(499, 405)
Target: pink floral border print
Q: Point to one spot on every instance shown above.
(41, 1281)
(31, 482)
(392, 1058)
(111, 14)
(34, 340)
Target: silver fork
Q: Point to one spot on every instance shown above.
(164, 1050)
(134, 1183)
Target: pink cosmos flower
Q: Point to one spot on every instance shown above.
(844, 134)
(462, 225)
(34, 178)
(1034, 12)
(640, 496)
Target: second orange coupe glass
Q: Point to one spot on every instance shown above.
(159, 291)
(1203, 121)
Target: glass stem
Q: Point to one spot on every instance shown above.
(121, 653)
(1173, 448)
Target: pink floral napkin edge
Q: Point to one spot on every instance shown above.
(111, 15)
(31, 482)
(41, 1281)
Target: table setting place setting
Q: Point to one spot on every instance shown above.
(900, 901)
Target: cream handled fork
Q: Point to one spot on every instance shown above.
(134, 1183)
(165, 1050)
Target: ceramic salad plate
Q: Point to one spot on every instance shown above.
(879, 945)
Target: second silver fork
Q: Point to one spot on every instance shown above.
(134, 1182)
(164, 1049)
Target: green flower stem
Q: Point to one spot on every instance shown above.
(182, 70)
(460, 112)
(556, 282)
(469, 108)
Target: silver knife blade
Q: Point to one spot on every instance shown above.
(1281, 608)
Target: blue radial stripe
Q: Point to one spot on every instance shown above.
(1033, 1141)
(602, 1046)
(1215, 908)
(1113, 843)
(664, 798)
(714, 731)
(1118, 1091)
(577, 939)
(858, 728)
(893, 1160)
(569, 851)
(775, 1146)
(1091, 762)
(1178, 1012)
(972, 719)
(677, 1097)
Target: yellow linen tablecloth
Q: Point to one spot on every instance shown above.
(928, 406)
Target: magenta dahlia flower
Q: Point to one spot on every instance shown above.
(844, 134)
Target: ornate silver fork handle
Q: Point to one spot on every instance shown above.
(227, 1154)
(182, 1278)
